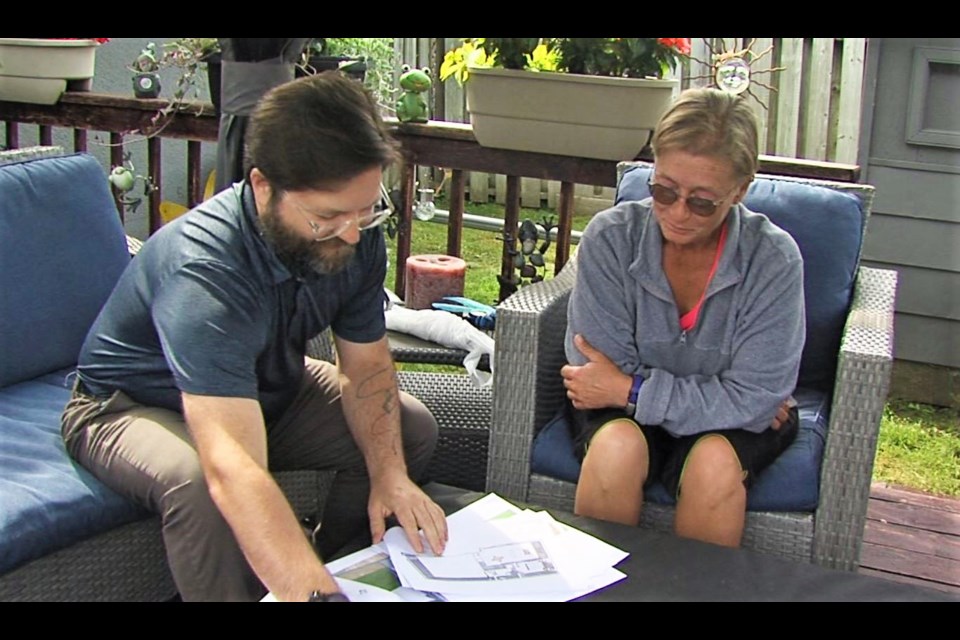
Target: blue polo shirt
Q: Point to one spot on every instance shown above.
(207, 308)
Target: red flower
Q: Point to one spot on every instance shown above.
(681, 45)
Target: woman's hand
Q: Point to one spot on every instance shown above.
(783, 413)
(597, 384)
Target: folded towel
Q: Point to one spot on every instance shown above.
(449, 330)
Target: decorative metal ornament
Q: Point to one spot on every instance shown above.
(146, 85)
(731, 71)
(733, 75)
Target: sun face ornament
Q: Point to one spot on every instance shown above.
(731, 71)
(733, 75)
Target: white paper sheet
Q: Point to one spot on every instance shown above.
(498, 552)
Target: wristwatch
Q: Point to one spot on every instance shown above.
(631, 408)
(336, 596)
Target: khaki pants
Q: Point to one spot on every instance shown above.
(147, 455)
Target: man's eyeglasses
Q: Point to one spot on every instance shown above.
(328, 228)
(698, 206)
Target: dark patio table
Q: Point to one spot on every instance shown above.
(663, 567)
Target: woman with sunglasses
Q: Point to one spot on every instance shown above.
(685, 329)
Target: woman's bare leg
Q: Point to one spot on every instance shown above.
(612, 475)
(712, 502)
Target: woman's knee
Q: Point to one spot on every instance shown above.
(712, 469)
(617, 445)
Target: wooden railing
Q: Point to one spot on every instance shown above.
(435, 144)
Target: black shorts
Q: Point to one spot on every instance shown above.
(756, 451)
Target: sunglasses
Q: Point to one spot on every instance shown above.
(696, 205)
(328, 228)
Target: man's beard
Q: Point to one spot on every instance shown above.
(302, 255)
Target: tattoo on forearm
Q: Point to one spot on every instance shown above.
(371, 388)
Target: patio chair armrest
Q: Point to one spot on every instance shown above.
(527, 387)
(10, 156)
(860, 393)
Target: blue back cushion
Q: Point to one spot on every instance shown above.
(62, 248)
(828, 227)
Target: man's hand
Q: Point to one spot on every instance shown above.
(597, 384)
(401, 497)
(371, 404)
(230, 437)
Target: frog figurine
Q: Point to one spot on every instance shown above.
(146, 80)
(412, 105)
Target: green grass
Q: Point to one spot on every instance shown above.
(481, 250)
(918, 445)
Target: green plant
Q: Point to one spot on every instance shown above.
(186, 54)
(379, 55)
(618, 57)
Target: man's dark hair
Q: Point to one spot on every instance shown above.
(317, 132)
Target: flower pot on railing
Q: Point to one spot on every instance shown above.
(564, 113)
(39, 70)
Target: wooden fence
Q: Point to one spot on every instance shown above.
(812, 106)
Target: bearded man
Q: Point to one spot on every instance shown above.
(193, 383)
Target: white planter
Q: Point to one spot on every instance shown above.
(565, 114)
(38, 70)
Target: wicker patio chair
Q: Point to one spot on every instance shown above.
(129, 563)
(528, 391)
(462, 411)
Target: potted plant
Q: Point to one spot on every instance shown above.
(39, 70)
(586, 97)
(187, 55)
(373, 61)
(326, 54)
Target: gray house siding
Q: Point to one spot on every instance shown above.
(911, 154)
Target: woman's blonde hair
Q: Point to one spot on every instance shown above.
(710, 122)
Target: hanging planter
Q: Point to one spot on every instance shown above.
(565, 114)
(39, 70)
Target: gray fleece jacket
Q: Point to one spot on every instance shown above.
(740, 361)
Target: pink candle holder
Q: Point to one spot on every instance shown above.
(431, 277)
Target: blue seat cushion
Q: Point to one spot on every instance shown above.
(62, 248)
(828, 227)
(47, 501)
(791, 483)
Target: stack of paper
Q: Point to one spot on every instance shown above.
(496, 552)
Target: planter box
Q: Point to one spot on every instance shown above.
(39, 70)
(565, 114)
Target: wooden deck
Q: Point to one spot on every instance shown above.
(912, 537)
